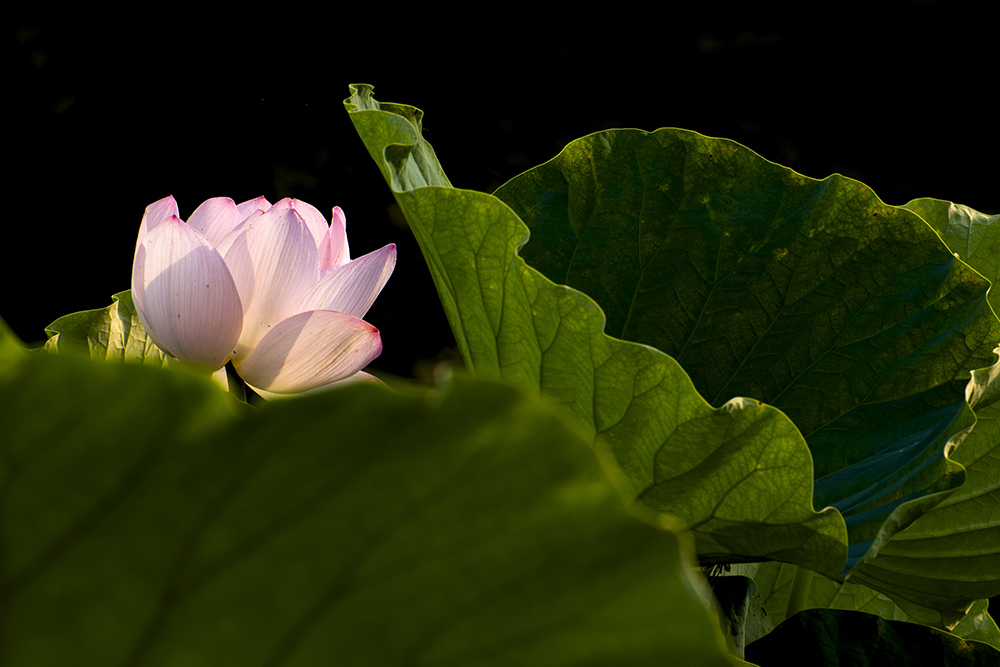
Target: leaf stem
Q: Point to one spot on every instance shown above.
(800, 591)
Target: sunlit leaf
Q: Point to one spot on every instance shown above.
(113, 333)
(973, 236)
(739, 475)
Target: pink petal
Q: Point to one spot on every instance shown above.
(310, 350)
(351, 288)
(313, 218)
(215, 218)
(248, 207)
(154, 214)
(273, 261)
(226, 243)
(186, 299)
(333, 249)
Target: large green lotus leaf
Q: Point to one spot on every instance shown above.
(759, 281)
(836, 638)
(739, 475)
(847, 314)
(149, 519)
(114, 332)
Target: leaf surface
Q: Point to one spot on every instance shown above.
(150, 519)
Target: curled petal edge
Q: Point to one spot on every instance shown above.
(352, 287)
(309, 350)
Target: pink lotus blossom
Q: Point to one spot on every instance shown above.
(270, 287)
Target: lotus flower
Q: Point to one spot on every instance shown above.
(271, 288)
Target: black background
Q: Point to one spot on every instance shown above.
(105, 114)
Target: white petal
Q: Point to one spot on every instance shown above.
(310, 350)
(273, 261)
(215, 218)
(352, 287)
(313, 218)
(333, 249)
(186, 299)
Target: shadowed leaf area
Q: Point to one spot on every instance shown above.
(151, 519)
(834, 638)
(951, 555)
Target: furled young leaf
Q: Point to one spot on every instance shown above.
(149, 519)
(114, 332)
(835, 638)
(739, 475)
(813, 296)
